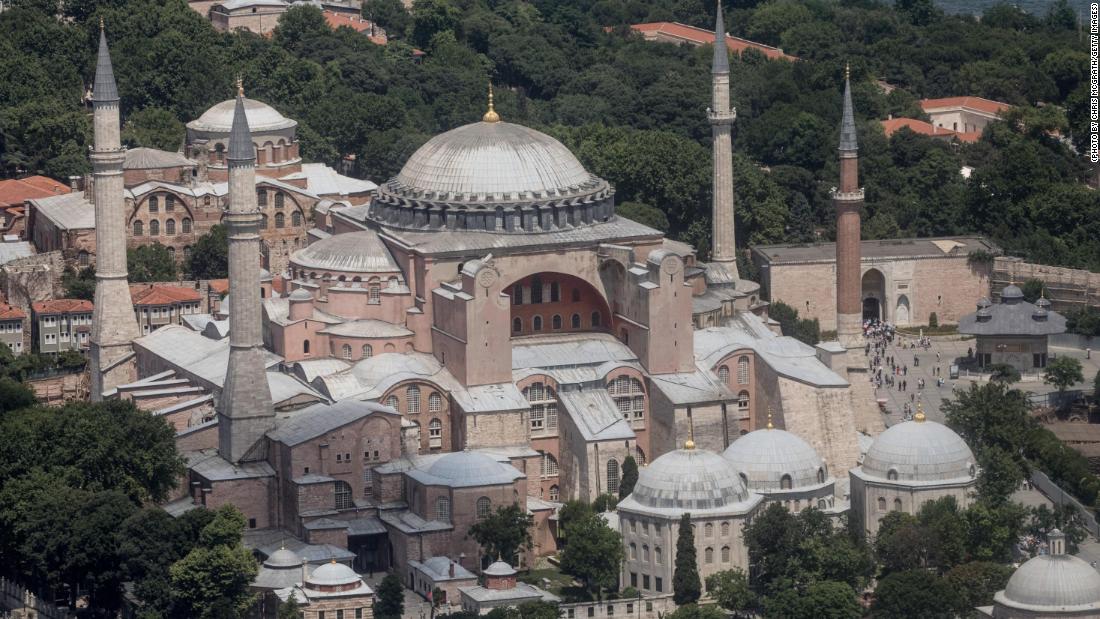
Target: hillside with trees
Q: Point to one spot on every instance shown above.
(633, 111)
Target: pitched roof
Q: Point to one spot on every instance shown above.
(62, 306)
(356, 23)
(151, 158)
(220, 286)
(17, 190)
(156, 294)
(10, 312)
(699, 36)
(973, 103)
(71, 211)
(893, 125)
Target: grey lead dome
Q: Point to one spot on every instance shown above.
(765, 456)
(1053, 583)
(691, 480)
(919, 451)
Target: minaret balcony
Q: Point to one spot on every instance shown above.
(847, 196)
(721, 118)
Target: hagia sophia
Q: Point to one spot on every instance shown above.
(483, 330)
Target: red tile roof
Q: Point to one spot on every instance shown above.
(16, 191)
(698, 36)
(220, 286)
(356, 23)
(155, 294)
(891, 126)
(10, 312)
(278, 284)
(975, 103)
(62, 306)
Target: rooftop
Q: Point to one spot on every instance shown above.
(70, 211)
(62, 306)
(10, 312)
(978, 104)
(13, 250)
(15, 191)
(937, 247)
(151, 158)
(158, 294)
(324, 181)
(891, 126)
(308, 423)
(699, 36)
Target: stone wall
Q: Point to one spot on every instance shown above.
(33, 278)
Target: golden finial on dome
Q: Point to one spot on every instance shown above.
(690, 443)
(240, 85)
(770, 426)
(491, 115)
(919, 417)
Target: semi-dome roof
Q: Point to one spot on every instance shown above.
(465, 469)
(261, 117)
(765, 456)
(688, 480)
(919, 451)
(1053, 583)
(493, 176)
(494, 158)
(351, 252)
(283, 558)
(332, 574)
(301, 294)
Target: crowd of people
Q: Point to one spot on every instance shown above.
(889, 372)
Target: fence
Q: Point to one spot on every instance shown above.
(1055, 399)
(27, 605)
(633, 608)
(1061, 497)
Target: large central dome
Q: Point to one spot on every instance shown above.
(493, 176)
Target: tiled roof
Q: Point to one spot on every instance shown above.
(154, 294)
(10, 312)
(974, 103)
(16, 191)
(699, 36)
(892, 125)
(356, 23)
(220, 286)
(62, 306)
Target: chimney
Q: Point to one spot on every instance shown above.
(451, 569)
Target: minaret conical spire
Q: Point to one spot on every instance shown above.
(104, 89)
(240, 137)
(721, 62)
(848, 142)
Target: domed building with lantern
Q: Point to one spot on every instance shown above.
(1013, 332)
(1049, 586)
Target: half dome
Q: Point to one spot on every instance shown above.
(919, 451)
(261, 117)
(765, 457)
(353, 252)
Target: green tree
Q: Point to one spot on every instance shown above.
(1063, 372)
(290, 609)
(1004, 373)
(79, 285)
(571, 511)
(643, 214)
(389, 14)
(211, 583)
(933, 320)
(826, 600)
(606, 502)
(730, 589)
(153, 127)
(391, 598)
(593, 553)
(210, 255)
(975, 583)
(630, 477)
(150, 263)
(914, 593)
(14, 394)
(694, 611)
(686, 587)
(504, 533)
(1033, 289)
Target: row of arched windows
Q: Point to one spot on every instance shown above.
(538, 293)
(544, 407)
(708, 554)
(742, 372)
(658, 555)
(556, 324)
(882, 504)
(413, 401)
(169, 227)
(629, 397)
(280, 220)
(261, 198)
(346, 351)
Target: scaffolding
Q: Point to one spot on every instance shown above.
(1067, 289)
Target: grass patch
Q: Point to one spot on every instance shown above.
(559, 581)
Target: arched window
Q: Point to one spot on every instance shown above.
(743, 401)
(435, 402)
(555, 494)
(725, 554)
(555, 322)
(139, 227)
(633, 550)
(536, 323)
(263, 222)
(785, 482)
(820, 475)
(206, 200)
(169, 203)
(443, 509)
(280, 220)
(305, 347)
(374, 294)
(613, 476)
(639, 455)
(724, 375)
(412, 399)
(346, 349)
(629, 397)
(392, 402)
(892, 474)
(881, 504)
(536, 290)
(154, 228)
(483, 507)
(84, 258)
(172, 255)
(343, 495)
(368, 352)
(170, 226)
(296, 218)
(154, 204)
(187, 225)
(280, 199)
(544, 407)
(555, 292)
(595, 319)
(645, 552)
(708, 530)
(517, 324)
(744, 479)
(897, 505)
(549, 465)
(708, 555)
(435, 434)
(725, 529)
(517, 294)
(658, 555)
(261, 197)
(742, 370)
(575, 321)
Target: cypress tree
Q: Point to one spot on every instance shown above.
(630, 477)
(686, 587)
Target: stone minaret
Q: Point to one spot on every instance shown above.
(245, 412)
(721, 116)
(114, 326)
(848, 200)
